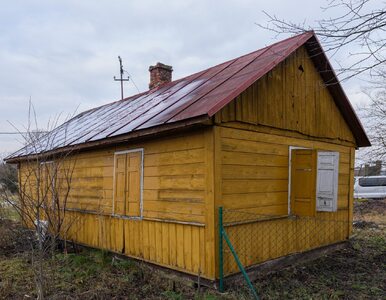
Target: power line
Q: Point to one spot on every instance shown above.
(21, 132)
(131, 77)
(5, 132)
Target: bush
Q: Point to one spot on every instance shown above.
(8, 177)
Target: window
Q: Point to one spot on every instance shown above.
(327, 181)
(313, 181)
(128, 182)
(372, 181)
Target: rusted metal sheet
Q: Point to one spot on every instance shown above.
(200, 94)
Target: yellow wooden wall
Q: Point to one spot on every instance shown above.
(254, 168)
(175, 245)
(287, 107)
(290, 99)
(257, 242)
(174, 178)
(177, 229)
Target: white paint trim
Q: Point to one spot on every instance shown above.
(140, 217)
(290, 148)
(334, 207)
(128, 151)
(47, 162)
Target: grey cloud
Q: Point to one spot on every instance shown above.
(64, 53)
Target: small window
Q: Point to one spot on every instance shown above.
(372, 181)
(327, 181)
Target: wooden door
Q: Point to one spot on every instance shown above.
(128, 184)
(133, 184)
(120, 184)
(303, 182)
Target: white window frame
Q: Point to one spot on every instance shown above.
(140, 217)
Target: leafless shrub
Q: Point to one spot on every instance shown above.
(45, 182)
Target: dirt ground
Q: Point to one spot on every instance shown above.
(356, 272)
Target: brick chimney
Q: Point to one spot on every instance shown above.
(160, 74)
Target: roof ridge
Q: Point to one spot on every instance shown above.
(311, 32)
(190, 75)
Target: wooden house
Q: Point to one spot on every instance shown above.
(269, 133)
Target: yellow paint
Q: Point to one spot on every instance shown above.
(241, 163)
(176, 193)
(127, 183)
(285, 108)
(303, 182)
(290, 99)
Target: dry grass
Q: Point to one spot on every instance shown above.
(6, 209)
(370, 211)
(357, 272)
(84, 274)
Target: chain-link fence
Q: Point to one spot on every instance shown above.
(248, 239)
(253, 238)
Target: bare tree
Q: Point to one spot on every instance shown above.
(374, 115)
(44, 183)
(358, 28)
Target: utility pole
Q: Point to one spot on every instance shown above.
(121, 79)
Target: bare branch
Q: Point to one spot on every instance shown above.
(360, 24)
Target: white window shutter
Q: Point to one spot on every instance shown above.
(327, 181)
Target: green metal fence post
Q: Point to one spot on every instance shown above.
(220, 249)
(239, 264)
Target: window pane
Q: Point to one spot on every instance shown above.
(368, 181)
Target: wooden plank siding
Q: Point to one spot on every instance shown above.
(174, 245)
(254, 183)
(259, 176)
(174, 179)
(290, 99)
(177, 196)
(287, 107)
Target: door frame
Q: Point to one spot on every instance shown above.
(140, 217)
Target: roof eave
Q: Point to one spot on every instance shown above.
(202, 120)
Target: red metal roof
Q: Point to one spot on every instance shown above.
(200, 94)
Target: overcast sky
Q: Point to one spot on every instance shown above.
(63, 54)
